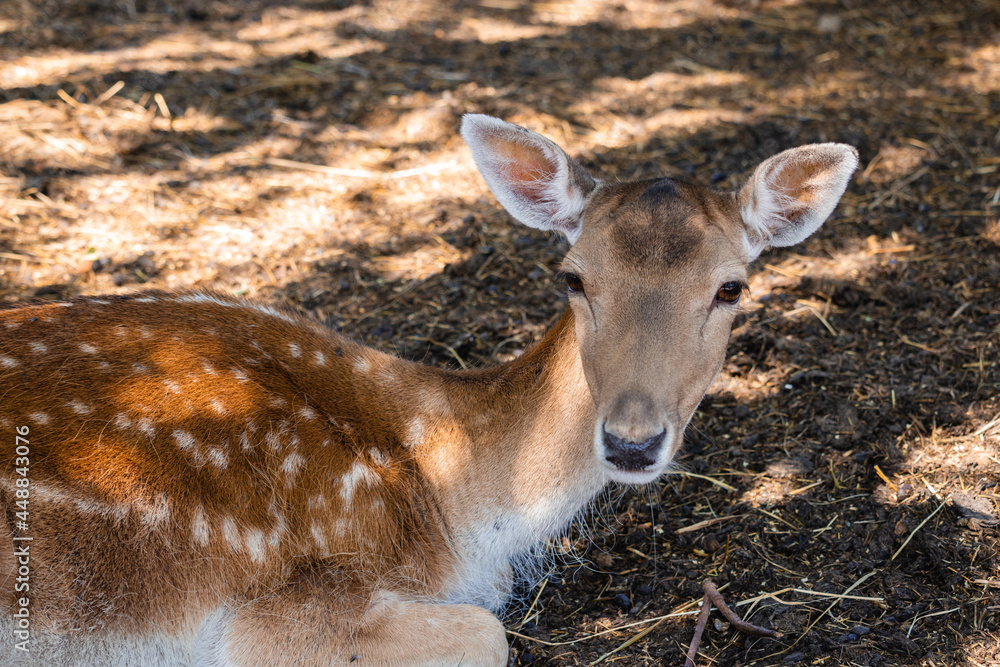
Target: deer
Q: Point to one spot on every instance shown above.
(196, 479)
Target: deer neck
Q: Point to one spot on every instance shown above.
(509, 456)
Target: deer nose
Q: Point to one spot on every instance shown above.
(627, 455)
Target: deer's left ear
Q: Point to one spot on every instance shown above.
(790, 194)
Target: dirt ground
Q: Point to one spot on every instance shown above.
(839, 482)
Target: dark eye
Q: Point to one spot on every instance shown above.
(574, 283)
(730, 292)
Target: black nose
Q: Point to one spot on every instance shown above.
(628, 455)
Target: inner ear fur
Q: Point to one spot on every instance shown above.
(530, 176)
(792, 193)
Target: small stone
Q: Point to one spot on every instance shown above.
(829, 23)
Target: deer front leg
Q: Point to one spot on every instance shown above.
(315, 627)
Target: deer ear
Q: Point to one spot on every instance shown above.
(531, 177)
(790, 194)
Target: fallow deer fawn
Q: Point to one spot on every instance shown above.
(211, 481)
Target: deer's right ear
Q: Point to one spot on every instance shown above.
(529, 175)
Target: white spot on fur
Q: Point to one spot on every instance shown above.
(122, 421)
(377, 455)
(295, 350)
(415, 432)
(361, 365)
(218, 406)
(291, 465)
(277, 402)
(140, 368)
(317, 502)
(206, 366)
(245, 443)
(146, 299)
(231, 533)
(184, 439)
(145, 426)
(38, 347)
(204, 298)
(358, 473)
(158, 513)
(200, 530)
(319, 535)
(145, 331)
(87, 348)
(39, 418)
(9, 362)
(273, 440)
(80, 407)
(120, 330)
(100, 302)
(254, 543)
(272, 312)
(172, 386)
(279, 528)
(83, 504)
(239, 375)
(218, 458)
(319, 358)
(307, 413)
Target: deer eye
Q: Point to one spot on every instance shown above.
(573, 283)
(730, 292)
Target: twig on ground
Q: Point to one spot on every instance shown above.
(834, 604)
(914, 531)
(712, 596)
(692, 475)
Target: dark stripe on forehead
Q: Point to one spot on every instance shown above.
(657, 226)
(663, 187)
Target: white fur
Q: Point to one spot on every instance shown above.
(359, 472)
(777, 214)
(505, 547)
(550, 200)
